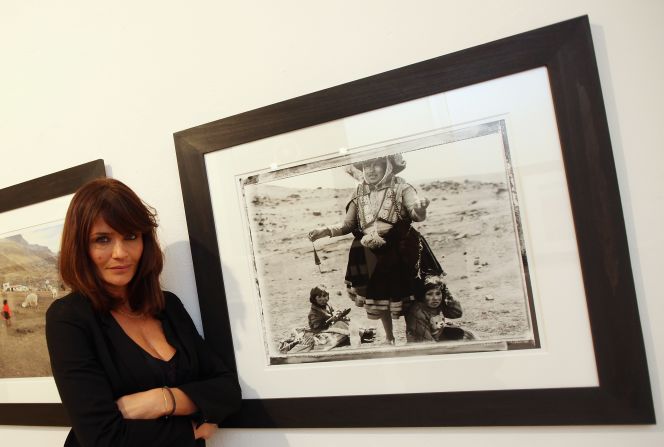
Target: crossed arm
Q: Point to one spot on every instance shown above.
(101, 419)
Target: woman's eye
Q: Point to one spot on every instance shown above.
(131, 237)
(102, 239)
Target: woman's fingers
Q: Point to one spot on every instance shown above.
(205, 431)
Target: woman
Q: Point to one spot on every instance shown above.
(128, 362)
(388, 256)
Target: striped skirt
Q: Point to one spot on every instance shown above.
(386, 279)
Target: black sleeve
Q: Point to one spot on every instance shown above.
(216, 392)
(86, 393)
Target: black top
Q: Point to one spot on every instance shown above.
(95, 362)
(167, 373)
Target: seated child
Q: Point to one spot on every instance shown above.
(327, 328)
(320, 311)
(426, 318)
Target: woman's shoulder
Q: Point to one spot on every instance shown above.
(171, 300)
(73, 300)
(73, 306)
(174, 308)
(400, 182)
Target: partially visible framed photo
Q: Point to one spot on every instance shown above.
(329, 232)
(31, 217)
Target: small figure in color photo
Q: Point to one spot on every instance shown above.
(6, 313)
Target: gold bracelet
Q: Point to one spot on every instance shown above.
(172, 398)
(163, 393)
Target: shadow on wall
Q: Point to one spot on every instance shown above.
(178, 277)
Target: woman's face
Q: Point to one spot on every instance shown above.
(374, 171)
(433, 297)
(115, 256)
(322, 300)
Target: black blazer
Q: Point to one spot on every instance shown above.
(92, 369)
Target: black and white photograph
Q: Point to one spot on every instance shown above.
(404, 248)
(30, 283)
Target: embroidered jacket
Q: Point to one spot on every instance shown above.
(382, 205)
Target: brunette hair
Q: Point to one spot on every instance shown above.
(317, 291)
(126, 213)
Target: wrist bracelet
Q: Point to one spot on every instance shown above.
(163, 393)
(165, 388)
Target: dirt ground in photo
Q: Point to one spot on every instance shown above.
(469, 227)
(23, 351)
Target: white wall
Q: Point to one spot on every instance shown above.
(81, 80)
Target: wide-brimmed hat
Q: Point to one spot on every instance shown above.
(396, 160)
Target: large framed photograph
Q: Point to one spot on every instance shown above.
(446, 235)
(470, 239)
(31, 218)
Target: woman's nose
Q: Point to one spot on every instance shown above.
(119, 250)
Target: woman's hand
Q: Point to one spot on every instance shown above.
(144, 405)
(318, 233)
(420, 208)
(421, 205)
(205, 431)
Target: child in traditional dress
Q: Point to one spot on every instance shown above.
(6, 313)
(387, 256)
(327, 328)
(427, 318)
(320, 312)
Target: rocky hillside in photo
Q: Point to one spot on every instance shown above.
(25, 263)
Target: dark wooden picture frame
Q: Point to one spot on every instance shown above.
(566, 50)
(24, 194)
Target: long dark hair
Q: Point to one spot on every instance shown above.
(126, 213)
